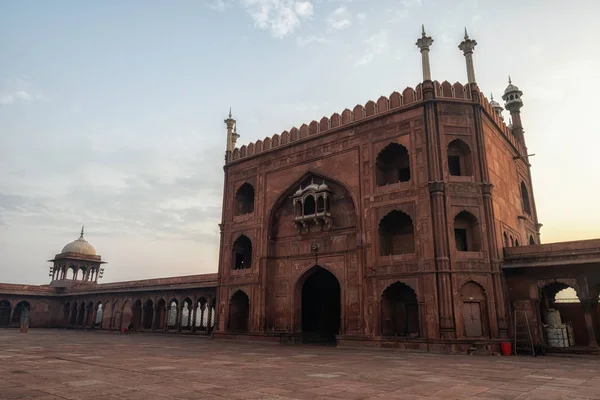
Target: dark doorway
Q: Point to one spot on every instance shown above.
(399, 311)
(21, 312)
(239, 312)
(321, 310)
(148, 314)
(4, 313)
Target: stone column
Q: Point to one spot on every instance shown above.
(209, 316)
(193, 327)
(154, 310)
(589, 305)
(438, 216)
(423, 43)
(467, 46)
(143, 317)
(86, 315)
(202, 308)
(94, 316)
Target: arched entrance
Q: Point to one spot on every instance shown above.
(320, 303)
(399, 311)
(21, 312)
(4, 313)
(473, 310)
(239, 311)
(136, 315)
(148, 314)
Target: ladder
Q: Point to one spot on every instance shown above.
(523, 342)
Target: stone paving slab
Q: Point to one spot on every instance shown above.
(71, 364)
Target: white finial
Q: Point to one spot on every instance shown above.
(81, 237)
(230, 112)
(466, 34)
(492, 96)
(423, 30)
(509, 80)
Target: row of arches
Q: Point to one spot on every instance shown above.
(392, 166)
(139, 315)
(397, 233)
(510, 241)
(75, 273)
(12, 316)
(393, 162)
(319, 316)
(396, 236)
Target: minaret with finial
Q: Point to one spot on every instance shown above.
(232, 134)
(467, 46)
(513, 103)
(496, 106)
(423, 43)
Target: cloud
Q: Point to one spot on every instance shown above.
(308, 40)
(375, 45)
(280, 17)
(219, 5)
(361, 17)
(19, 90)
(338, 19)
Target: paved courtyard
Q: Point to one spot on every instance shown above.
(63, 364)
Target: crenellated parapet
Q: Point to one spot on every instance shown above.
(494, 116)
(371, 109)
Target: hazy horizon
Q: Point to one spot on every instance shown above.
(111, 114)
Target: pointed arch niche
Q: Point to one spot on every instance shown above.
(313, 206)
(460, 160)
(393, 165)
(473, 310)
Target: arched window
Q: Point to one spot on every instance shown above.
(505, 239)
(512, 241)
(396, 234)
(525, 199)
(309, 205)
(244, 199)
(516, 242)
(320, 204)
(466, 232)
(531, 240)
(459, 159)
(393, 165)
(242, 253)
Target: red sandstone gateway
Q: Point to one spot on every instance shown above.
(408, 222)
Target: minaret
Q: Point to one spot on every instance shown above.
(423, 43)
(496, 106)
(230, 122)
(513, 103)
(467, 46)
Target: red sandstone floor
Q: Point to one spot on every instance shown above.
(56, 364)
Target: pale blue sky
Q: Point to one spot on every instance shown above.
(111, 113)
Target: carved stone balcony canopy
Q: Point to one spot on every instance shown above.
(312, 207)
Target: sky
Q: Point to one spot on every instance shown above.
(111, 113)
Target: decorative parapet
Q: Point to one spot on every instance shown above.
(371, 109)
(510, 136)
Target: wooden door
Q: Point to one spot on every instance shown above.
(472, 319)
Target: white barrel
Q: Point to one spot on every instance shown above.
(553, 318)
(557, 337)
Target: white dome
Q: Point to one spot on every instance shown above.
(80, 246)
